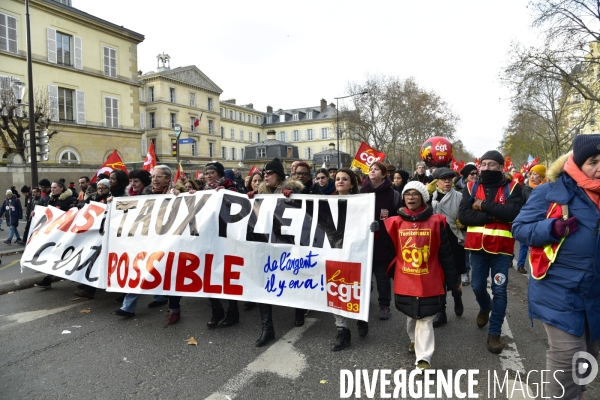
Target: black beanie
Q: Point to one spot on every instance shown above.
(44, 183)
(25, 189)
(584, 147)
(216, 166)
(467, 169)
(276, 166)
(493, 155)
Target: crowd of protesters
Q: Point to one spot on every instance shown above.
(463, 219)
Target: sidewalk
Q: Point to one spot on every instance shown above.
(9, 251)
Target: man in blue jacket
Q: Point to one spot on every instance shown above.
(13, 211)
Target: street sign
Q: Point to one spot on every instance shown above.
(177, 128)
(186, 141)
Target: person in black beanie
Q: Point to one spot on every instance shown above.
(469, 173)
(276, 166)
(488, 207)
(216, 166)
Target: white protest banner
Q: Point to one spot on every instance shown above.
(309, 252)
(68, 244)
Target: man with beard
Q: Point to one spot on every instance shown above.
(488, 207)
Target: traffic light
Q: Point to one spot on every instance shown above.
(42, 146)
(174, 147)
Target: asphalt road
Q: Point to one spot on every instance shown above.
(55, 345)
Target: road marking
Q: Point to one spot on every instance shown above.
(282, 358)
(28, 316)
(9, 265)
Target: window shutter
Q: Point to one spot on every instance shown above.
(144, 146)
(107, 109)
(3, 36)
(115, 106)
(113, 63)
(52, 102)
(106, 61)
(306, 153)
(142, 120)
(51, 36)
(78, 53)
(80, 94)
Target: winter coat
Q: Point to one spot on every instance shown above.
(29, 205)
(387, 203)
(448, 207)
(424, 179)
(13, 211)
(64, 201)
(569, 295)
(415, 306)
(289, 184)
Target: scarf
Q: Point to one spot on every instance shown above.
(330, 188)
(534, 185)
(221, 182)
(164, 190)
(590, 186)
(419, 211)
(131, 192)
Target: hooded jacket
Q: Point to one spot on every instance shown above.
(63, 201)
(570, 293)
(13, 211)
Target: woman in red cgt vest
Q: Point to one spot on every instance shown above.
(423, 264)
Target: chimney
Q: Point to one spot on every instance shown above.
(232, 101)
(269, 109)
(331, 146)
(332, 105)
(250, 105)
(323, 105)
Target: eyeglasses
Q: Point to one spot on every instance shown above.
(158, 176)
(302, 174)
(474, 173)
(102, 188)
(321, 177)
(269, 172)
(210, 172)
(412, 195)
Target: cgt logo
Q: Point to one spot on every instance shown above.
(585, 368)
(369, 159)
(343, 285)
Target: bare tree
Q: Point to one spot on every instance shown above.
(14, 119)
(397, 116)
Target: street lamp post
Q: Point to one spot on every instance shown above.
(32, 131)
(337, 122)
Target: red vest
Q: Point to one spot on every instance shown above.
(418, 270)
(541, 257)
(493, 237)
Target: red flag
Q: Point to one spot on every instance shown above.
(198, 174)
(454, 165)
(112, 162)
(197, 121)
(253, 170)
(365, 156)
(508, 164)
(179, 174)
(150, 161)
(478, 164)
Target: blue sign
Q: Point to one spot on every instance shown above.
(186, 141)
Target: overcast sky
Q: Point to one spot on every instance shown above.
(291, 54)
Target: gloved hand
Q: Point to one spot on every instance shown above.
(287, 192)
(431, 187)
(250, 194)
(459, 225)
(374, 227)
(562, 228)
(477, 205)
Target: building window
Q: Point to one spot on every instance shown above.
(324, 133)
(152, 120)
(65, 104)
(111, 106)
(222, 132)
(224, 153)
(231, 114)
(151, 93)
(63, 49)
(69, 157)
(309, 115)
(295, 135)
(326, 159)
(257, 120)
(110, 62)
(241, 154)
(233, 153)
(222, 112)
(232, 134)
(8, 33)
(310, 135)
(250, 137)
(172, 95)
(289, 152)
(241, 135)
(257, 137)
(211, 127)
(211, 150)
(192, 127)
(194, 147)
(269, 119)
(295, 116)
(282, 136)
(210, 104)
(249, 118)
(310, 153)
(261, 152)
(240, 116)
(173, 118)
(192, 99)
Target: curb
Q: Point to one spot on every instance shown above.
(10, 253)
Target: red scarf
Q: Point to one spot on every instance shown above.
(419, 211)
(590, 186)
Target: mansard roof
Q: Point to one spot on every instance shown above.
(188, 75)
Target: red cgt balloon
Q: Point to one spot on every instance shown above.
(437, 152)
